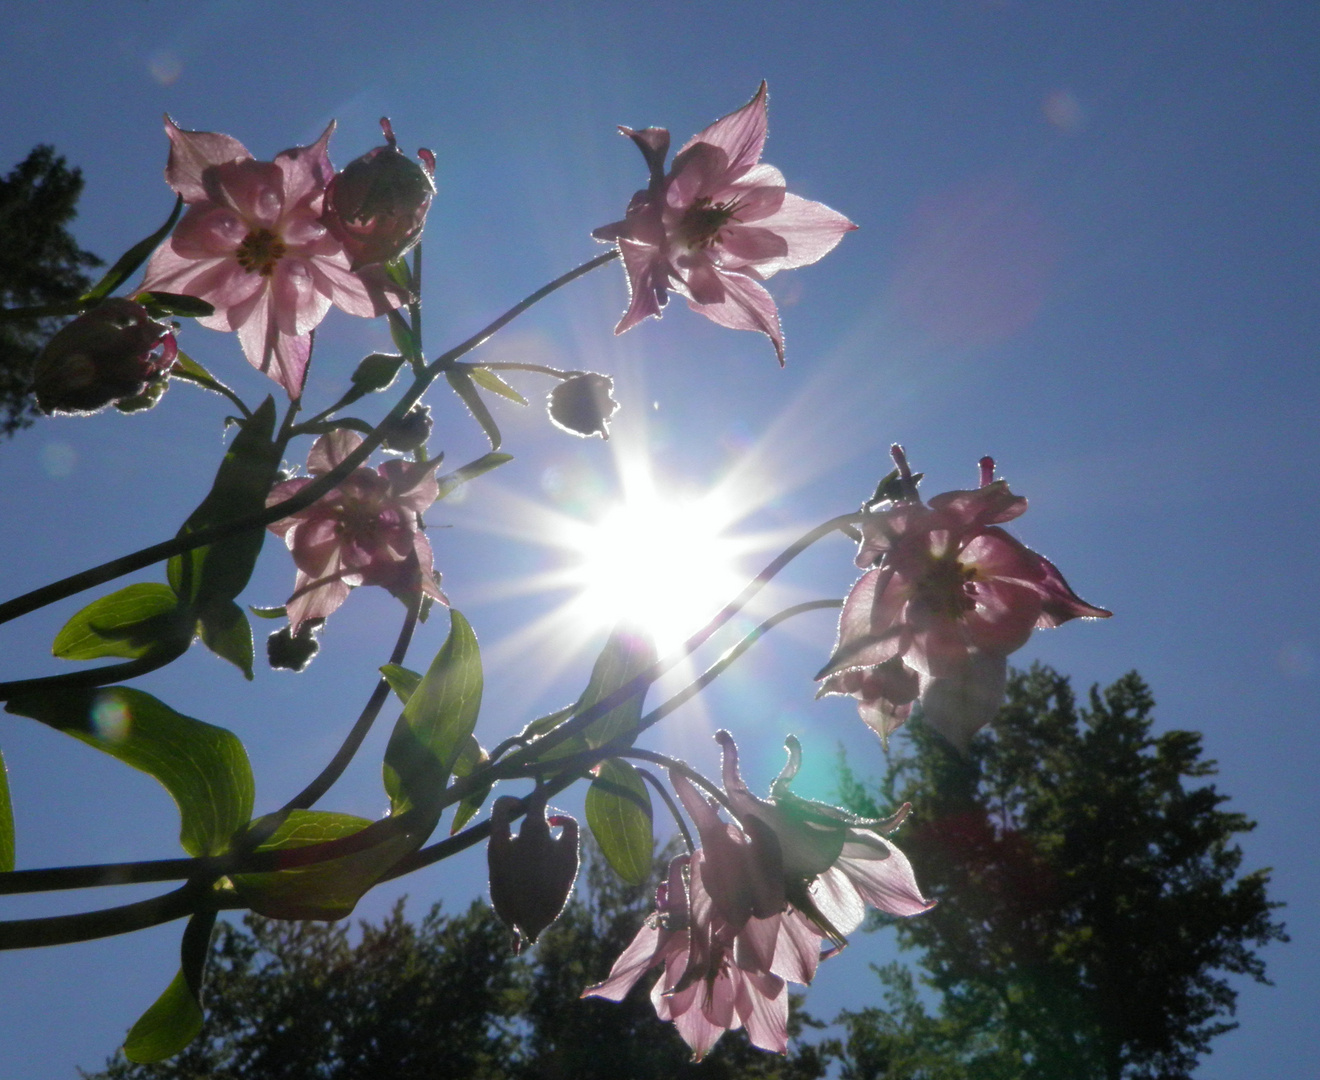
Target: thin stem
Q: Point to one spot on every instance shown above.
(335, 769)
(99, 676)
(679, 766)
(718, 668)
(668, 800)
(305, 496)
(88, 925)
(216, 386)
(97, 875)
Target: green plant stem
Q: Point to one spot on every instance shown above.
(99, 875)
(88, 925)
(217, 387)
(336, 766)
(100, 676)
(672, 806)
(307, 495)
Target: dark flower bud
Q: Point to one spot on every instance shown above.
(377, 206)
(531, 874)
(410, 431)
(109, 353)
(582, 405)
(293, 652)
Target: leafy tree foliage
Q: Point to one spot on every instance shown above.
(444, 998)
(40, 264)
(1090, 908)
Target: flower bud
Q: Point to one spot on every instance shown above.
(106, 354)
(582, 404)
(531, 874)
(410, 431)
(288, 651)
(377, 206)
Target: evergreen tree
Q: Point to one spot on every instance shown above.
(1090, 903)
(40, 264)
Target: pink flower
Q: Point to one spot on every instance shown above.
(108, 353)
(716, 976)
(252, 245)
(947, 596)
(717, 225)
(366, 531)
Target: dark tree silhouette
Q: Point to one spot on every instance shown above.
(444, 998)
(40, 264)
(1090, 906)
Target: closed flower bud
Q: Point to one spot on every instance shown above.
(109, 353)
(582, 404)
(377, 206)
(410, 431)
(288, 651)
(531, 874)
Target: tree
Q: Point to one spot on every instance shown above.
(444, 998)
(40, 264)
(1090, 905)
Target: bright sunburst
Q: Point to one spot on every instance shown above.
(661, 564)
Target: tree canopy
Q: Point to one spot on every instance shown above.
(1091, 912)
(40, 264)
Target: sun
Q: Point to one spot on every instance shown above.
(662, 564)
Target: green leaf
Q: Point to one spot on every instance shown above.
(132, 622)
(625, 656)
(619, 813)
(134, 257)
(246, 475)
(471, 756)
(436, 721)
(269, 612)
(470, 471)
(324, 890)
(464, 388)
(402, 680)
(167, 303)
(226, 632)
(6, 821)
(488, 380)
(401, 334)
(189, 366)
(170, 1024)
(175, 1018)
(203, 767)
(574, 744)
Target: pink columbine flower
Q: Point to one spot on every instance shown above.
(715, 976)
(717, 225)
(366, 531)
(252, 244)
(947, 596)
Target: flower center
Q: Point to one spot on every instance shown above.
(260, 250)
(943, 588)
(702, 222)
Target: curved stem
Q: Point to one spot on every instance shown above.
(214, 385)
(718, 668)
(668, 800)
(100, 676)
(336, 766)
(304, 497)
(97, 875)
(88, 925)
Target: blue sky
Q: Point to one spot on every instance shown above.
(1088, 246)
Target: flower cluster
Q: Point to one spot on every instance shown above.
(747, 912)
(365, 531)
(716, 225)
(946, 597)
(253, 245)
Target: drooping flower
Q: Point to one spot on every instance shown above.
(252, 244)
(748, 910)
(715, 976)
(531, 874)
(106, 354)
(717, 225)
(582, 404)
(946, 597)
(366, 531)
(377, 205)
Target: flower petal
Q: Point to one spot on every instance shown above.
(740, 134)
(746, 306)
(192, 153)
(810, 230)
